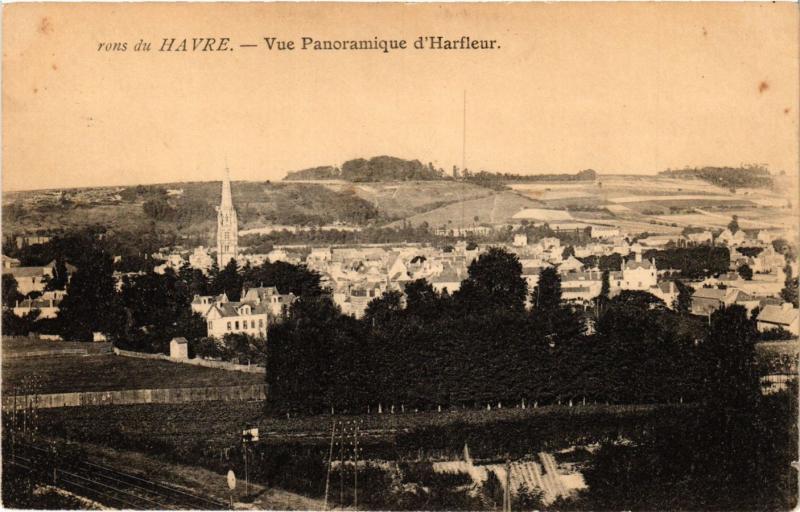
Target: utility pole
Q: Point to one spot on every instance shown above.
(14, 423)
(341, 467)
(330, 459)
(246, 480)
(355, 471)
(507, 493)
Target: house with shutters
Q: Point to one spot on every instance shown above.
(237, 317)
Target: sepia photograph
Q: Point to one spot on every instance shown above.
(382, 256)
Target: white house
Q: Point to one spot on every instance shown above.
(638, 274)
(237, 317)
(520, 240)
(31, 279)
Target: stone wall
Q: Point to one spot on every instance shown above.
(138, 396)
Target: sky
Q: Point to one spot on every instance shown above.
(616, 87)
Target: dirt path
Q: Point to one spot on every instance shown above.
(199, 480)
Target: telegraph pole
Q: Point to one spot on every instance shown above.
(355, 472)
(330, 459)
(507, 493)
(341, 467)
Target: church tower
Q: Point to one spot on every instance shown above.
(227, 227)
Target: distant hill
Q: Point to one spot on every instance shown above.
(325, 172)
(379, 168)
(751, 176)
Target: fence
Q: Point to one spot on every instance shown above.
(137, 396)
(222, 365)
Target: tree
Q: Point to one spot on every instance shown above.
(733, 225)
(421, 298)
(287, 278)
(546, 295)
(683, 302)
(158, 309)
(745, 272)
(10, 291)
(567, 252)
(381, 310)
(494, 281)
(789, 291)
(91, 304)
(228, 281)
(60, 276)
(605, 287)
(195, 280)
(730, 351)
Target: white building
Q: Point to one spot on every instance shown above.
(237, 317)
(638, 274)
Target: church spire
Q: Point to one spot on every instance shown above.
(226, 201)
(227, 225)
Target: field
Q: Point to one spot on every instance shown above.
(495, 208)
(19, 345)
(63, 374)
(215, 425)
(635, 201)
(403, 199)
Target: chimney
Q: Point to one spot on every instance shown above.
(638, 257)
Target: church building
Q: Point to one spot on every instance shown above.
(227, 226)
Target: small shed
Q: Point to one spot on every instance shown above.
(179, 348)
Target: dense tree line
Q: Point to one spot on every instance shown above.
(323, 172)
(481, 346)
(752, 176)
(486, 178)
(388, 168)
(733, 453)
(693, 262)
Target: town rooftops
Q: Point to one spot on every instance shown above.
(710, 293)
(230, 309)
(784, 314)
(589, 275)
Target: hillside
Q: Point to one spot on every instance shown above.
(494, 208)
(186, 211)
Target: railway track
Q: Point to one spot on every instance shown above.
(108, 486)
